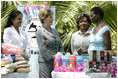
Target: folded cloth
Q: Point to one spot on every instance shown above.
(5, 61)
(19, 58)
(21, 62)
(5, 71)
(11, 66)
(23, 70)
(23, 66)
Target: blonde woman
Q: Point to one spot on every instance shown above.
(48, 42)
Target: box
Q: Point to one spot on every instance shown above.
(90, 55)
(94, 55)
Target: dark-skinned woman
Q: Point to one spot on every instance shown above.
(100, 38)
(79, 40)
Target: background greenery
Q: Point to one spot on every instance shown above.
(66, 14)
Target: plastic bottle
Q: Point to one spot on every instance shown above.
(56, 56)
(79, 60)
(65, 61)
(86, 64)
(59, 53)
(58, 61)
(72, 62)
(68, 54)
(54, 63)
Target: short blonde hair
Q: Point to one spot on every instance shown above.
(44, 13)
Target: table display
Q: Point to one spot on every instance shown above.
(98, 64)
(95, 65)
(13, 63)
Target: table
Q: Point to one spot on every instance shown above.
(15, 75)
(78, 75)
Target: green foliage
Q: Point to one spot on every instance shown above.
(8, 6)
(66, 14)
(67, 11)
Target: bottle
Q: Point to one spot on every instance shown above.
(72, 62)
(58, 61)
(90, 64)
(109, 56)
(79, 60)
(86, 64)
(59, 53)
(65, 61)
(101, 56)
(68, 54)
(54, 63)
(90, 55)
(97, 65)
(94, 55)
(13, 57)
(105, 56)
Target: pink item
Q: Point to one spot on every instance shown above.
(58, 61)
(11, 49)
(45, 3)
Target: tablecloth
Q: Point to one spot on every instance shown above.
(78, 75)
(15, 75)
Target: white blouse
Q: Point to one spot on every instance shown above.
(11, 36)
(79, 41)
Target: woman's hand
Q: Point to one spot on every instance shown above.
(79, 51)
(53, 57)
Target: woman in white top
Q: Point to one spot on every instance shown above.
(79, 40)
(13, 34)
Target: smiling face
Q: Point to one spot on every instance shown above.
(17, 20)
(49, 20)
(83, 23)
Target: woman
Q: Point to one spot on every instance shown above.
(100, 37)
(48, 42)
(13, 34)
(79, 40)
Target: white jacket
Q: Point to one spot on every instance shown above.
(11, 36)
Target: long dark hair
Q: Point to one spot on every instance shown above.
(11, 16)
(81, 16)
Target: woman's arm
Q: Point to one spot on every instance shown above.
(107, 40)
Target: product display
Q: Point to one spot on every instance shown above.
(96, 61)
(13, 63)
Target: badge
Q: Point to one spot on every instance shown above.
(92, 39)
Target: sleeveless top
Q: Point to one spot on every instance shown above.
(96, 41)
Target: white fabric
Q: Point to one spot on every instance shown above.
(11, 36)
(79, 41)
(34, 64)
(15, 75)
(78, 75)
